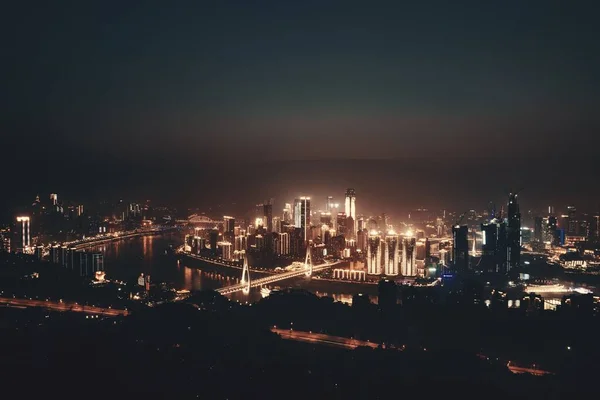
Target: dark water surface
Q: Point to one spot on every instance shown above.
(126, 259)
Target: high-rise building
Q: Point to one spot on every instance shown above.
(226, 250)
(460, 247)
(302, 215)
(5, 235)
(228, 224)
(392, 254)
(260, 242)
(97, 263)
(350, 205)
(71, 262)
(39, 252)
(268, 216)
(361, 241)
(350, 209)
(88, 263)
(572, 220)
(277, 224)
(23, 239)
(360, 223)
(513, 233)
(326, 219)
(493, 250)
(333, 209)
(329, 203)
(134, 211)
(341, 224)
(595, 227)
(374, 253)
(198, 244)
(213, 238)
(350, 228)
(423, 249)
(552, 231)
(287, 213)
(538, 230)
(54, 253)
(444, 257)
(283, 244)
(54, 199)
(241, 243)
(409, 256)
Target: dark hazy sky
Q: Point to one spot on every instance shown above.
(117, 93)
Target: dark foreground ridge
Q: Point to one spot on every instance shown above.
(213, 348)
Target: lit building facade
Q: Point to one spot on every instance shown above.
(409, 256)
(283, 244)
(392, 254)
(268, 216)
(228, 225)
(226, 250)
(350, 210)
(513, 233)
(460, 247)
(302, 215)
(374, 253)
(23, 243)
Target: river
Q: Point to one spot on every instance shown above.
(127, 259)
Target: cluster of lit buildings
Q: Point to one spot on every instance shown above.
(331, 232)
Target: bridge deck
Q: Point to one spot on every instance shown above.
(272, 279)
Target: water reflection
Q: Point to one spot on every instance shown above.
(126, 259)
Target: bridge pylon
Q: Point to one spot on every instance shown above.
(308, 265)
(246, 276)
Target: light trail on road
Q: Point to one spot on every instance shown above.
(61, 306)
(321, 338)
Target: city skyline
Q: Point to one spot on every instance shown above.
(315, 199)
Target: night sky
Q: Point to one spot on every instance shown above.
(438, 103)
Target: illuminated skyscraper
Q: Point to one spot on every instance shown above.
(226, 250)
(283, 244)
(302, 215)
(350, 209)
(350, 228)
(595, 227)
(329, 203)
(54, 199)
(268, 216)
(493, 249)
(572, 221)
(287, 213)
(538, 231)
(326, 219)
(350, 203)
(374, 253)
(460, 248)
(392, 254)
(228, 225)
(54, 254)
(409, 256)
(241, 243)
(23, 242)
(341, 227)
(513, 233)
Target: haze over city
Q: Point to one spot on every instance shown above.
(144, 99)
(300, 199)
